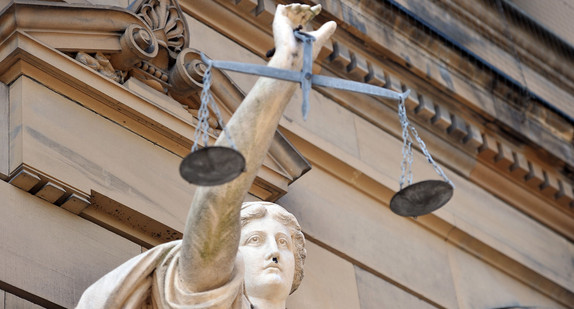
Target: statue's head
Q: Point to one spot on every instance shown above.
(273, 249)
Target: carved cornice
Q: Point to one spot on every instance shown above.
(527, 39)
(49, 189)
(130, 44)
(126, 38)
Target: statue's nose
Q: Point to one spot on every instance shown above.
(272, 251)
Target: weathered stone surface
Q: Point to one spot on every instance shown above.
(474, 138)
(50, 192)
(375, 293)
(54, 139)
(519, 169)
(426, 109)
(36, 234)
(329, 282)
(442, 117)
(323, 110)
(535, 176)
(458, 128)
(472, 209)
(355, 224)
(75, 204)
(504, 159)
(565, 195)
(25, 180)
(412, 101)
(550, 185)
(489, 148)
(13, 301)
(480, 285)
(217, 46)
(4, 131)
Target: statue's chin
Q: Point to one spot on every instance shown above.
(268, 284)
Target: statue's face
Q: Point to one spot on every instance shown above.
(267, 251)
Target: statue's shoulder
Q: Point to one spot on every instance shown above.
(116, 287)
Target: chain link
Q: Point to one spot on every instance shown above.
(408, 132)
(201, 131)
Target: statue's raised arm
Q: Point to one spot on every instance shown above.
(231, 255)
(212, 230)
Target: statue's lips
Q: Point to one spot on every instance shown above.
(272, 265)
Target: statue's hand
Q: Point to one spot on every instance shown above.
(289, 51)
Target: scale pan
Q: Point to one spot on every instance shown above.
(212, 166)
(421, 198)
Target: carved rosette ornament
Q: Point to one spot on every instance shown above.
(166, 21)
(176, 69)
(153, 50)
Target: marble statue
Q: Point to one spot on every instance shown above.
(233, 254)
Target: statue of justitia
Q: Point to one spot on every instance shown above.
(233, 254)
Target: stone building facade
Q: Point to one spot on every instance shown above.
(98, 100)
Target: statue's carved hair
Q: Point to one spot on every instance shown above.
(257, 210)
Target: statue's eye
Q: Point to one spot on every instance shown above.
(283, 242)
(255, 239)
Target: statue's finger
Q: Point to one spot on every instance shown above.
(316, 9)
(280, 10)
(324, 32)
(310, 13)
(322, 35)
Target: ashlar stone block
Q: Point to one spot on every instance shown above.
(329, 282)
(479, 285)
(376, 293)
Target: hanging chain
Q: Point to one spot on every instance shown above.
(407, 161)
(203, 114)
(408, 133)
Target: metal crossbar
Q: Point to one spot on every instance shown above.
(305, 77)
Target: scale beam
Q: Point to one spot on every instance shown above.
(296, 76)
(304, 77)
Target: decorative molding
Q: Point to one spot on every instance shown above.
(95, 207)
(531, 49)
(49, 189)
(167, 22)
(102, 65)
(183, 78)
